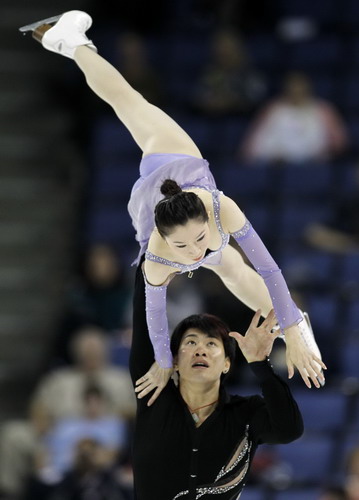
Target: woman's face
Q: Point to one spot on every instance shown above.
(190, 241)
(201, 358)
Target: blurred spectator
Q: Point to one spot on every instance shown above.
(331, 239)
(349, 490)
(97, 422)
(296, 126)
(99, 295)
(333, 493)
(57, 457)
(351, 481)
(104, 290)
(120, 347)
(60, 392)
(246, 16)
(146, 17)
(228, 85)
(59, 396)
(135, 66)
(341, 235)
(91, 478)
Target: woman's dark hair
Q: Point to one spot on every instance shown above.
(208, 324)
(177, 208)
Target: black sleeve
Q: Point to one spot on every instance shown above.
(276, 418)
(142, 355)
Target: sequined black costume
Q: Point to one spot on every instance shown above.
(173, 458)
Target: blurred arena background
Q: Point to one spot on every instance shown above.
(66, 241)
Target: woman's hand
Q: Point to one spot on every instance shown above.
(300, 356)
(257, 344)
(156, 378)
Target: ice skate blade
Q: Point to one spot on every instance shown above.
(33, 26)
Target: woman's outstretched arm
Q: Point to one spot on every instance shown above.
(147, 375)
(267, 287)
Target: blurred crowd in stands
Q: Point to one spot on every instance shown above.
(269, 90)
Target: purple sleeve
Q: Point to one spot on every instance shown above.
(158, 324)
(286, 311)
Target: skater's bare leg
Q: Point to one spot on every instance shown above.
(152, 129)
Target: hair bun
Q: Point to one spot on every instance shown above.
(170, 188)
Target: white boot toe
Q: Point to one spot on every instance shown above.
(68, 33)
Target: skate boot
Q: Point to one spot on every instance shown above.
(308, 336)
(62, 34)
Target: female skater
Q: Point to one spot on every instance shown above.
(182, 221)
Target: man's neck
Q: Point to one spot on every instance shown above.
(196, 395)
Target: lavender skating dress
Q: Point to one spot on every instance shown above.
(191, 172)
(187, 171)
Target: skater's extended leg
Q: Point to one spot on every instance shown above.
(152, 129)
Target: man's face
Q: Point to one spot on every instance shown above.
(201, 358)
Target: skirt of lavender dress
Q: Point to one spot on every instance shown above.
(187, 171)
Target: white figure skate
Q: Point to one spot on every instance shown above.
(62, 34)
(307, 334)
(306, 331)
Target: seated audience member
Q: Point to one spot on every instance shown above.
(349, 490)
(97, 422)
(133, 61)
(91, 477)
(59, 396)
(56, 459)
(98, 295)
(341, 234)
(60, 392)
(296, 126)
(351, 481)
(333, 493)
(228, 85)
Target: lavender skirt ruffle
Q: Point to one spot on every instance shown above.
(187, 171)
